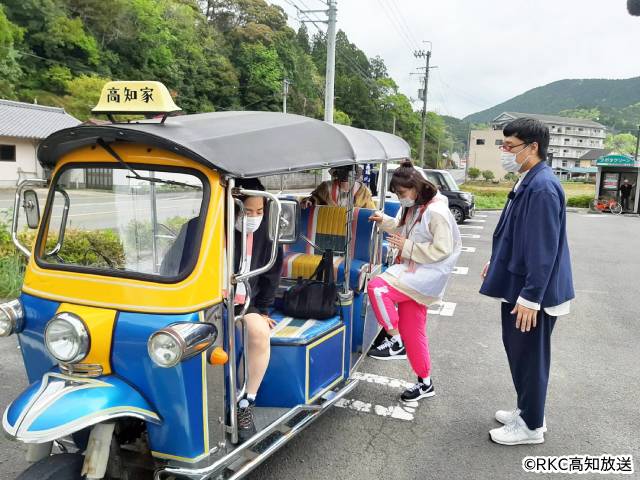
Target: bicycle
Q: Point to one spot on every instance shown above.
(605, 205)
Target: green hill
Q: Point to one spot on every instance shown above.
(612, 100)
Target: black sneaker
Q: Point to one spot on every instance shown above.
(418, 391)
(246, 425)
(388, 350)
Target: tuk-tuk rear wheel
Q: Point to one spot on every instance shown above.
(62, 466)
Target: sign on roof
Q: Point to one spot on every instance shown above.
(615, 161)
(135, 97)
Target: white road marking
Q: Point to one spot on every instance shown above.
(460, 270)
(469, 235)
(399, 412)
(480, 216)
(473, 220)
(468, 249)
(381, 380)
(475, 227)
(444, 309)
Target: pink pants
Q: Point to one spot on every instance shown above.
(410, 318)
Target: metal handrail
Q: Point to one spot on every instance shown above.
(16, 213)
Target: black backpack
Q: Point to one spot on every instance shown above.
(316, 297)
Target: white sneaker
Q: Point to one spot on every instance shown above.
(516, 433)
(508, 416)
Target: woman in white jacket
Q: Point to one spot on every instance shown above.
(427, 240)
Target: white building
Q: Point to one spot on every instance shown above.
(569, 138)
(22, 127)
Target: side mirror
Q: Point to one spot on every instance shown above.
(31, 208)
(289, 221)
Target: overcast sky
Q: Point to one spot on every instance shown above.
(488, 51)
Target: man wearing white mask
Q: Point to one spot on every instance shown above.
(530, 272)
(263, 289)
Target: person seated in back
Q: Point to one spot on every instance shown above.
(263, 290)
(335, 192)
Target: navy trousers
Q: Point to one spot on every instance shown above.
(529, 356)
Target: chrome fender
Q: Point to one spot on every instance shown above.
(59, 405)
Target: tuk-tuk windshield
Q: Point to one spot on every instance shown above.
(107, 220)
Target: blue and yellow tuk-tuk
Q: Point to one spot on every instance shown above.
(134, 354)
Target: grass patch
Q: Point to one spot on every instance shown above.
(11, 273)
(494, 196)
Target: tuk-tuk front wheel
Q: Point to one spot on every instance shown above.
(62, 466)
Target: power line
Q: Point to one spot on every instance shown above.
(404, 22)
(403, 35)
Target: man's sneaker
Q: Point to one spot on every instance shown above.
(418, 391)
(508, 416)
(516, 433)
(246, 425)
(389, 350)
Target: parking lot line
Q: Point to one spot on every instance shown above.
(399, 412)
(476, 227)
(382, 380)
(473, 220)
(444, 309)
(461, 270)
(468, 249)
(469, 235)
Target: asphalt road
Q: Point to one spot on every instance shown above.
(594, 391)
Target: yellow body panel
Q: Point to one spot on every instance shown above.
(202, 288)
(100, 323)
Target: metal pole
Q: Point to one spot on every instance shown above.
(427, 55)
(394, 125)
(331, 62)
(285, 93)
(637, 200)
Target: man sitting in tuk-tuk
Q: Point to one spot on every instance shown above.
(263, 289)
(335, 192)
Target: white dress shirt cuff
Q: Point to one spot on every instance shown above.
(528, 304)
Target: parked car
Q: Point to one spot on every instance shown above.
(462, 204)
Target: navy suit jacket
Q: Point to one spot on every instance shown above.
(530, 256)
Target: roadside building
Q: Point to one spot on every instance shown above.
(22, 127)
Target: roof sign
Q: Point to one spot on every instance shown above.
(615, 161)
(135, 97)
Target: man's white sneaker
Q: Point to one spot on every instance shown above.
(516, 433)
(506, 417)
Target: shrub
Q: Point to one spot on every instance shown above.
(473, 173)
(580, 201)
(488, 175)
(511, 177)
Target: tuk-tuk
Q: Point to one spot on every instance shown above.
(127, 322)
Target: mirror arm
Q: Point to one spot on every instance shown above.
(63, 223)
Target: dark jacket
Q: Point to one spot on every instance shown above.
(530, 256)
(263, 287)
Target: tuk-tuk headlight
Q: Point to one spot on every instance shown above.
(67, 338)
(169, 346)
(11, 318)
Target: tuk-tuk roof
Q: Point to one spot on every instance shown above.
(242, 144)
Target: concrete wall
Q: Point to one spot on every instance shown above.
(25, 166)
(484, 151)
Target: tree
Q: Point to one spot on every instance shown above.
(623, 143)
(487, 175)
(473, 173)
(511, 177)
(10, 37)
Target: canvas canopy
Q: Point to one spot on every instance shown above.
(241, 144)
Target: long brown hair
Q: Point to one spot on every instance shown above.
(406, 176)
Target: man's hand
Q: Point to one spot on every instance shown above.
(397, 241)
(485, 270)
(527, 318)
(306, 203)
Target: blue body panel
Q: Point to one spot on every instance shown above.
(58, 405)
(37, 312)
(308, 329)
(175, 393)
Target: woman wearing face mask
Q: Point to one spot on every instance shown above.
(336, 191)
(263, 289)
(427, 240)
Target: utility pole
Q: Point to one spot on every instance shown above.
(394, 124)
(285, 93)
(427, 56)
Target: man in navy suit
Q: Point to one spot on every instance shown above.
(530, 272)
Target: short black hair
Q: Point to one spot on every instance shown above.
(529, 130)
(250, 184)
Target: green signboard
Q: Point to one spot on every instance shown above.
(615, 161)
